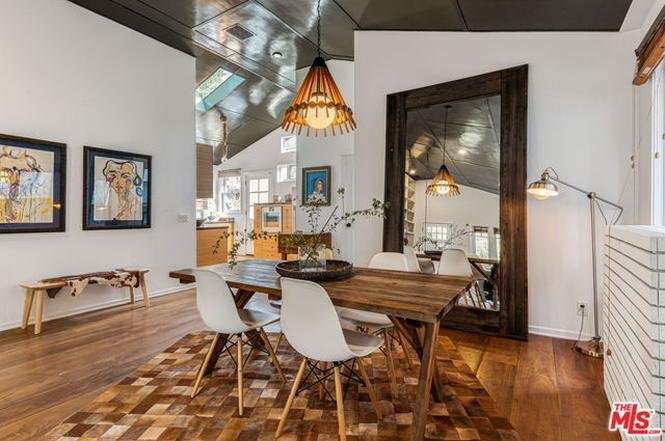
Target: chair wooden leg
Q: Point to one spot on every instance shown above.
(240, 401)
(27, 307)
(370, 387)
(324, 383)
(292, 395)
(204, 366)
(273, 355)
(339, 397)
(409, 363)
(389, 357)
(279, 342)
(39, 311)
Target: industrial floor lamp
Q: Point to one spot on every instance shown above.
(545, 188)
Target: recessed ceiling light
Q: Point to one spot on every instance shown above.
(277, 54)
(412, 171)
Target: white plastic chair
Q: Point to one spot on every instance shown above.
(454, 262)
(380, 323)
(411, 259)
(218, 310)
(311, 325)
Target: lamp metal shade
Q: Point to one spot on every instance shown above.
(318, 105)
(443, 184)
(543, 188)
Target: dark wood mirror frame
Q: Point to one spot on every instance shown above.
(512, 84)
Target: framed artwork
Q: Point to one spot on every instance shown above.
(32, 185)
(116, 189)
(271, 219)
(316, 185)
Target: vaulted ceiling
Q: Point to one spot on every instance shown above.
(241, 37)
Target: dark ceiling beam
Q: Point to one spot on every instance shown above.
(341, 8)
(461, 16)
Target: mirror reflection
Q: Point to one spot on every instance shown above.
(451, 212)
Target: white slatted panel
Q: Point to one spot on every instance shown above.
(633, 311)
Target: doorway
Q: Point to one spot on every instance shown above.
(258, 190)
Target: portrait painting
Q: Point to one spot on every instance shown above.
(32, 185)
(316, 185)
(116, 189)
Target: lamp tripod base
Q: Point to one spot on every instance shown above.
(592, 348)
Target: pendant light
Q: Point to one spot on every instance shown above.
(443, 183)
(318, 104)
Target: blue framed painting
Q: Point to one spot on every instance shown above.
(116, 189)
(32, 185)
(316, 185)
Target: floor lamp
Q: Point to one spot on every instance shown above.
(544, 188)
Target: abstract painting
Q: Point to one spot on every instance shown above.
(316, 185)
(116, 189)
(32, 185)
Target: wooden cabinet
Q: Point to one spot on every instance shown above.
(204, 174)
(205, 241)
(268, 248)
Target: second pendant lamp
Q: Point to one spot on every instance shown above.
(318, 104)
(443, 182)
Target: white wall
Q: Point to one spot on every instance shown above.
(263, 155)
(335, 151)
(81, 79)
(580, 122)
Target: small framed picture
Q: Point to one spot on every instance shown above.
(116, 189)
(316, 185)
(271, 219)
(32, 185)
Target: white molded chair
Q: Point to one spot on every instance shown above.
(311, 325)
(218, 310)
(380, 323)
(411, 259)
(454, 262)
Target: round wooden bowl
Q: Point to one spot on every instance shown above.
(335, 270)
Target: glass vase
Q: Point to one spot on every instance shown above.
(312, 259)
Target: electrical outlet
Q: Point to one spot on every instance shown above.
(581, 308)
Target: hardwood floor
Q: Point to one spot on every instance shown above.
(550, 392)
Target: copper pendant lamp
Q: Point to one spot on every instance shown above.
(318, 104)
(443, 182)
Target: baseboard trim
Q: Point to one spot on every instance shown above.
(162, 292)
(557, 333)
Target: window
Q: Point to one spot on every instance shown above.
(437, 235)
(497, 238)
(288, 144)
(286, 173)
(481, 242)
(215, 88)
(229, 192)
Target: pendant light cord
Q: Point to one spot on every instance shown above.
(445, 132)
(318, 27)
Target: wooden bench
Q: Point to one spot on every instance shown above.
(35, 292)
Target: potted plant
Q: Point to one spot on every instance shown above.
(311, 251)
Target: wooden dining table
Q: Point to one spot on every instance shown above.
(416, 303)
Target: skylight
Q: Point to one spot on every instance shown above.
(215, 88)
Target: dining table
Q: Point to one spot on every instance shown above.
(415, 302)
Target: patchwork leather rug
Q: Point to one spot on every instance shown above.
(153, 403)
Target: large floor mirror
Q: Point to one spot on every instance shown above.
(456, 182)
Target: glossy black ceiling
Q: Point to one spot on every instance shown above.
(469, 132)
(201, 28)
